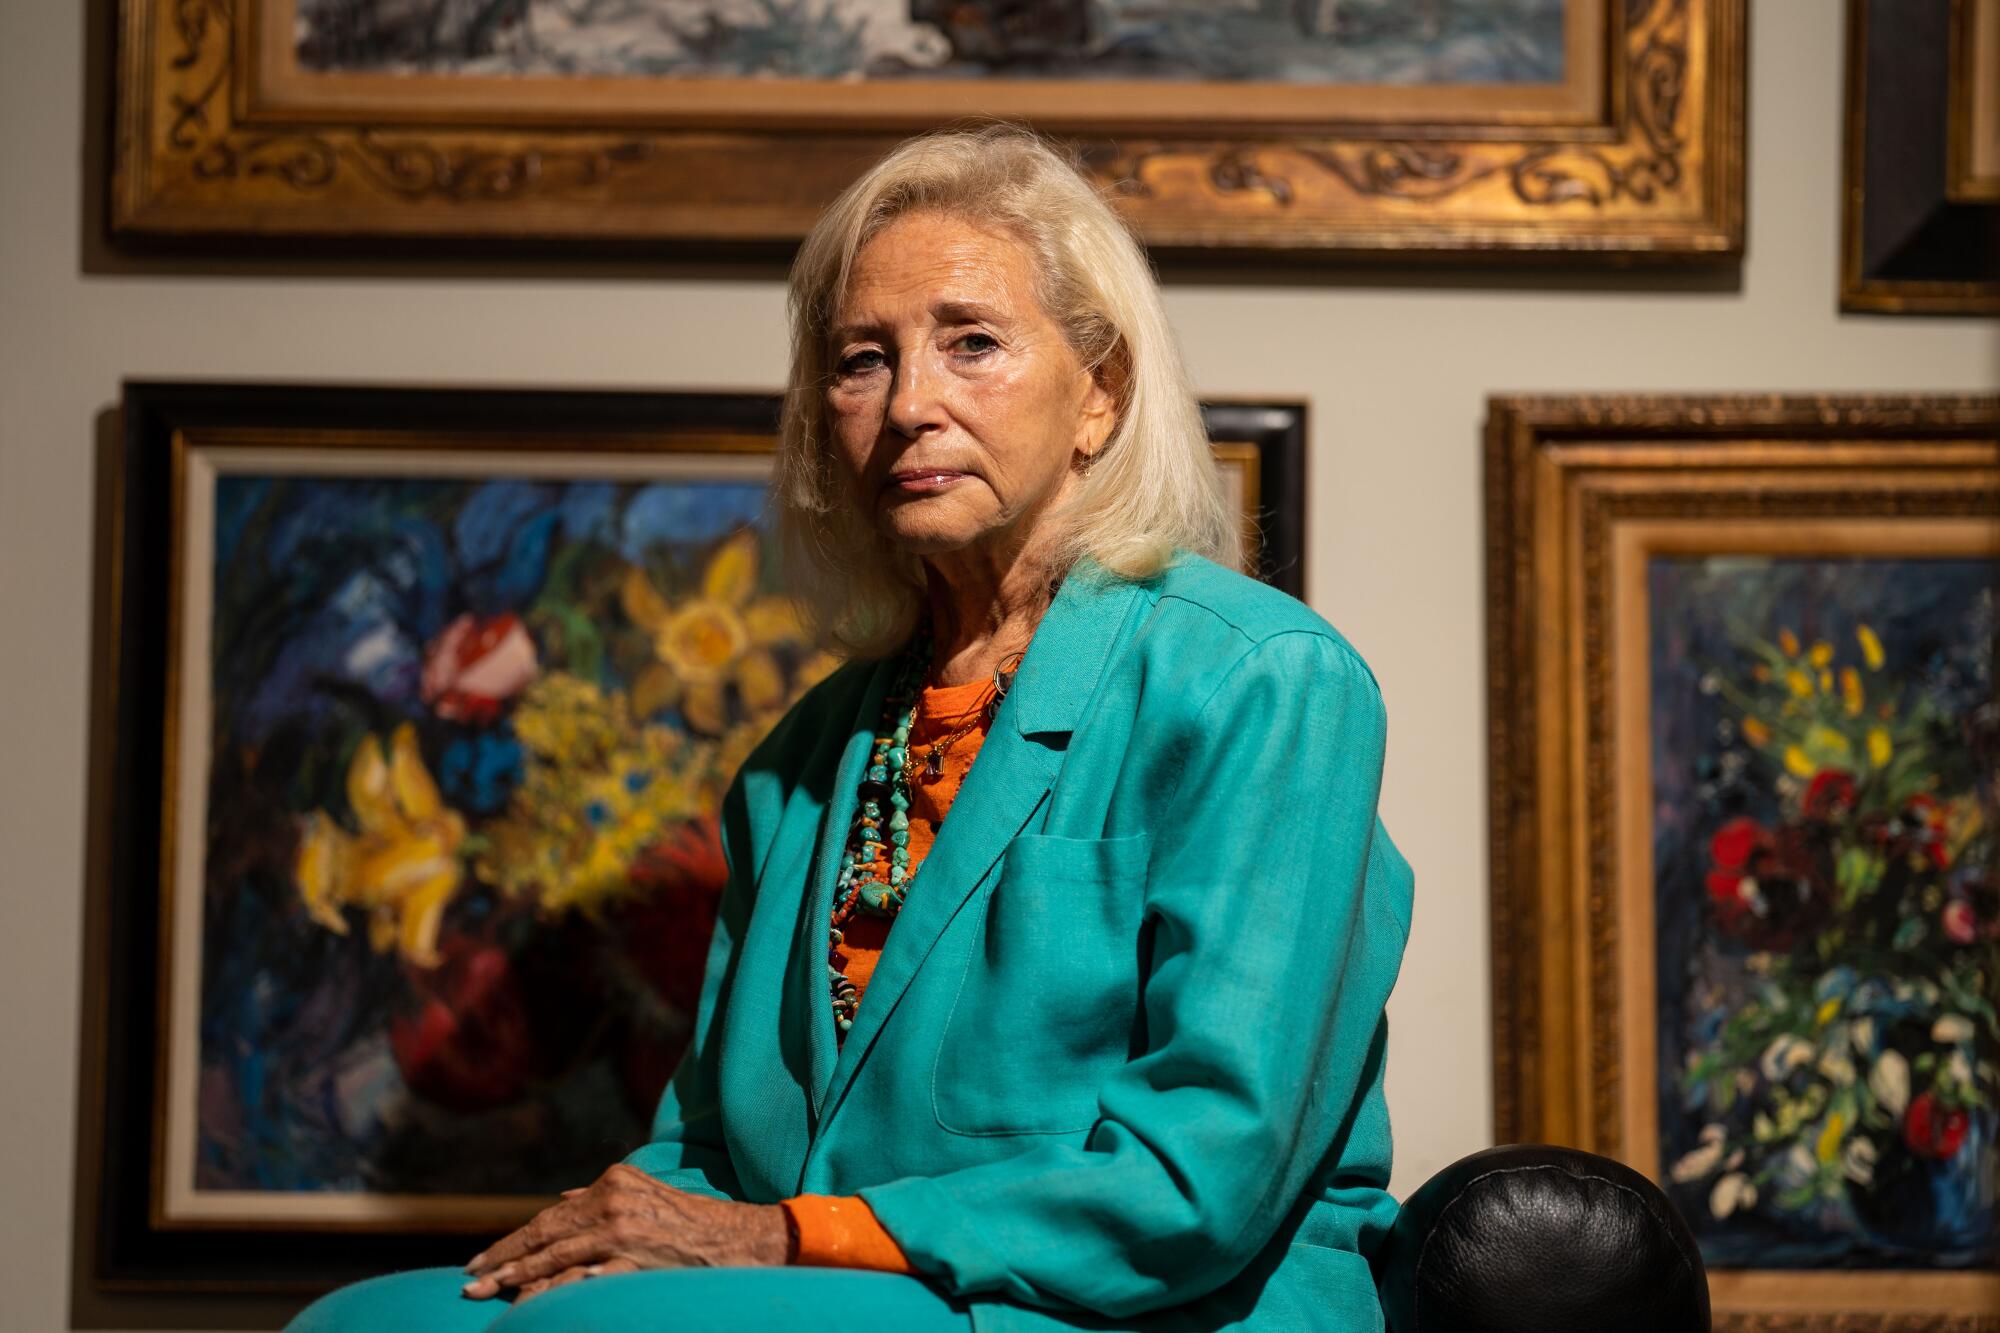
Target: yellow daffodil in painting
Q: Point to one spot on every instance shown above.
(401, 868)
(719, 638)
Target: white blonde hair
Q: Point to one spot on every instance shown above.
(1150, 490)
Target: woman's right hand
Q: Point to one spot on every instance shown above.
(627, 1222)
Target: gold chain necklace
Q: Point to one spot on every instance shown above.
(1003, 678)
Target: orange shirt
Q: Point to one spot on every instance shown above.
(840, 1231)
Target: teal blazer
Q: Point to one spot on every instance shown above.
(1120, 1064)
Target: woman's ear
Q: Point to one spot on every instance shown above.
(1098, 416)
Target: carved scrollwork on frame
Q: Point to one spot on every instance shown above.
(1651, 165)
(204, 150)
(204, 147)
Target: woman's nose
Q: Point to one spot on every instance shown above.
(915, 405)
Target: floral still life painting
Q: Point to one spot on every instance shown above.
(466, 744)
(1824, 749)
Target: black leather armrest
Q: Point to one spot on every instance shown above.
(1534, 1239)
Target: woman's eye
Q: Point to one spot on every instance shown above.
(854, 363)
(976, 344)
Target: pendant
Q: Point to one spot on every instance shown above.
(934, 764)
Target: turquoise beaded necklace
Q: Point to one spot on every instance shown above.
(882, 812)
(881, 819)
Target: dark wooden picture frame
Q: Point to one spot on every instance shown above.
(1909, 244)
(133, 1242)
(1639, 158)
(1582, 494)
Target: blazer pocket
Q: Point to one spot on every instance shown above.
(1049, 1000)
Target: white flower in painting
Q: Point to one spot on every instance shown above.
(1952, 1028)
(1783, 1055)
(1959, 1068)
(1703, 1160)
(1837, 1067)
(1889, 1080)
(1732, 1193)
(1862, 1034)
(1857, 1163)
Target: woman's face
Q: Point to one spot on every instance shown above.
(959, 410)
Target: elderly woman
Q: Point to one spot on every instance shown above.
(1104, 1048)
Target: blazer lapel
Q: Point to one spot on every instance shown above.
(1017, 764)
(810, 974)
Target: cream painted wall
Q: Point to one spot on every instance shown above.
(1396, 366)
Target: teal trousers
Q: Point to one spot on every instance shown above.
(676, 1300)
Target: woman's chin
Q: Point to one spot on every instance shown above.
(929, 528)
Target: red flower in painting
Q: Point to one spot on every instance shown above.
(1932, 1130)
(1924, 822)
(1961, 923)
(470, 1045)
(680, 880)
(665, 932)
(1766, 885)
(1830, 795)
(476, 665)
(1731, 850)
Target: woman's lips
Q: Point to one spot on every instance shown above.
(929, 479)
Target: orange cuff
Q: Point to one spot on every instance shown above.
(841, 1232)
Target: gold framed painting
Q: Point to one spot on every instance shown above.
(1608, 128)
(1920, 222)
(1745, 880)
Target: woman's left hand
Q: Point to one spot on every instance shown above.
(625, 1222)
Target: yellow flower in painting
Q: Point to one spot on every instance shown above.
(1829, 742)
(1756, 732)
(1871, 647)
(1851, 697)
(596, 789)
(1789, 642)
(1800, 683)
(715, 640)
(1796, 761)
(401, 868)
(1830, 1136)
(562, 714)
(1822, 654)
(1962, 824)
(1878, 747)
(1826, 682)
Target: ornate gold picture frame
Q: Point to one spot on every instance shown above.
(1745, 924)
(1635, 150)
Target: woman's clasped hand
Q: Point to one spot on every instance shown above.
(624, 1222)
